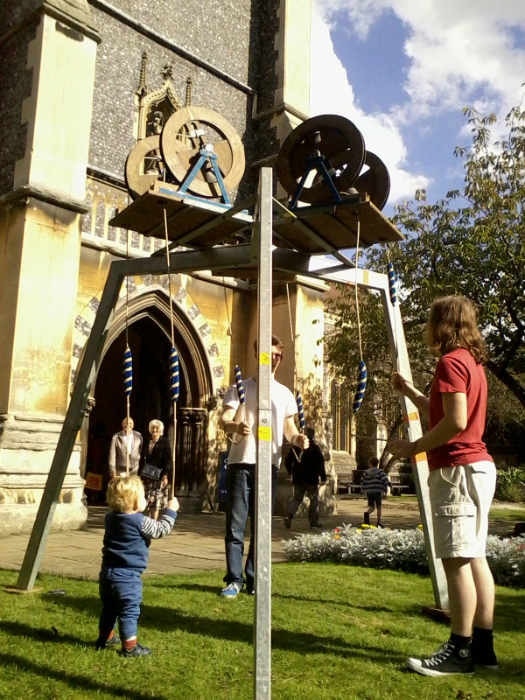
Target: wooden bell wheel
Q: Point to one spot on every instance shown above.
(375, 182)
(143, 166)
(188, 131)
(338, 141)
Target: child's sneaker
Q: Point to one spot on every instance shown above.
(111, 643)
(231, 590)
(447, 661)
(137, 650)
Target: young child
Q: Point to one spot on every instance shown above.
(374, 484)
(128, 533)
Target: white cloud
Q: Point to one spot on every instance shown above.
(456, 49)
(460, 53)
(331, 93)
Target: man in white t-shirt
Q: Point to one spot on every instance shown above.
(241, 424)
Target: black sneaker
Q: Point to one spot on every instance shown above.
(483, 656)
(137, 650)
(288, 522)
(447, 661)
(316, 526)
(109, 644)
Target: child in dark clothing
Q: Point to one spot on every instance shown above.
(374, 484)
(128, 533)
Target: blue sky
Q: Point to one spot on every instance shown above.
(402, 70)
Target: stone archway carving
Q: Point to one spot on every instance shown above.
(144, 290)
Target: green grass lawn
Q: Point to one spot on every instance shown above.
(507, 514)
(338, 633)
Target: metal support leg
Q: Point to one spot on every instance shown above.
(263, 502)
(66, 441)
(398, 349)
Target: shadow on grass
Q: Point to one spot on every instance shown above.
(510, 612)
(21, 664)
(40, 634)
(204, 588)
(170, 619)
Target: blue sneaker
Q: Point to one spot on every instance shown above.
(231, 590)
(137, 650)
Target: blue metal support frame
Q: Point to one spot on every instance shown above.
(212, 157)
(315, 162)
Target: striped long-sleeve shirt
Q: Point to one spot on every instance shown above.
(374, 480)
(127, 538)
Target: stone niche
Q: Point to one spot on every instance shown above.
(27, 447)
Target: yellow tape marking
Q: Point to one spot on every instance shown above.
(410, 416)
(366, 276)
(421, 457)
(265, 433)
(264, 358)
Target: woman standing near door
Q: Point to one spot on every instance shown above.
(156, 453)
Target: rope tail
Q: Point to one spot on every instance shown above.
(392, 286)
(128, 386)
(174, 361)
(302, 421)
(238, 374)
(242, 399)
(298, 397)
(361, 384)
(128, 366)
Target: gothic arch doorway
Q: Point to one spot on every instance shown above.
(149, 338)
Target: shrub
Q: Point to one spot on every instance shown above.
(509, 484)
(400, 550)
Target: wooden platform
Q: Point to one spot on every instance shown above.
(327, 228)
(192, 221)
(199, 223)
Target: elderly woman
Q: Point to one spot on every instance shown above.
(156, 452)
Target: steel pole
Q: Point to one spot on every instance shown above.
(263, 493)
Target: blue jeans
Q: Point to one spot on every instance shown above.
(240, 480)
(121, 594)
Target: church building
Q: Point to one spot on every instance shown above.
(86, 88)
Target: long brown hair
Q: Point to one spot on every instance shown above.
(452, 324)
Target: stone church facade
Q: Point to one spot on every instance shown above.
(81, 83)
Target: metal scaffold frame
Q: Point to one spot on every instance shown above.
(257, 254)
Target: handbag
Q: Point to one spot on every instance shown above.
(150, 471)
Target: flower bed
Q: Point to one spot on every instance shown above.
(400, 550)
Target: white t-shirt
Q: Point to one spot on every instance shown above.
(283, 406)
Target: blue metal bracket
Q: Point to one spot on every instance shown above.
(315, 162)
(205, 155)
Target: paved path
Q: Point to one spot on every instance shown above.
(196, 544)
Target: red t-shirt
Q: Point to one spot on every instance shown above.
(458, 373)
